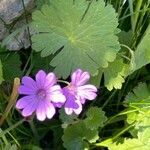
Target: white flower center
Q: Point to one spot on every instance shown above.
(41, 94)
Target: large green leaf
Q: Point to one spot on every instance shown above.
(76, 135)
(79, 41)
(41, 63)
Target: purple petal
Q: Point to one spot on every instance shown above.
(77, 111)
(70, 103)
(70, 99)
(50, 110)
(56, 95)
(25, 101)
(79, 77)
(40, 79)
(50, 80)
(41, 111)
(82, 100)
(28, 107)
(26, 90)
(87, 92)
(29, 82)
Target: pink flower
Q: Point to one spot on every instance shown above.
(77, 92)
(40, 95)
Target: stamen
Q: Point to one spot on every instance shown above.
(41, 94)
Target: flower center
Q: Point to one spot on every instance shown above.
(72, 89)
(41, 94)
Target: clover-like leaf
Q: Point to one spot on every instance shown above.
(95, 118)
(76, 135)
(139, 97)
(81, 34)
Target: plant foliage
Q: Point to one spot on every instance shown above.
(81, 34)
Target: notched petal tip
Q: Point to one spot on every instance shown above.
(40, 78)
(50, 79)
(79, 77)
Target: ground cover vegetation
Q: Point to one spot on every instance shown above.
(84, 81)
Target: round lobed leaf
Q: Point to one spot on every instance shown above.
(82, 34)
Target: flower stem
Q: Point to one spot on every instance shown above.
(62, 81)
(35, 133)
(123, 131)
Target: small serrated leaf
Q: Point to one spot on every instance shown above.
(95, 118)
(115, 73)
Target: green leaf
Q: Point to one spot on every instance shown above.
(1, 73)
(95, 80)
(11, 66)
(11, 147)
(142, 54)
(139, 100)
(32, 147)
(143, 128)
(87, 42)
(66, 119)
(95, 118)
(141, 120)
(139, 97)
(129, 144)
(76, 135)
(125, 37)
(41, 63)
(40, 3)
(115, 73)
